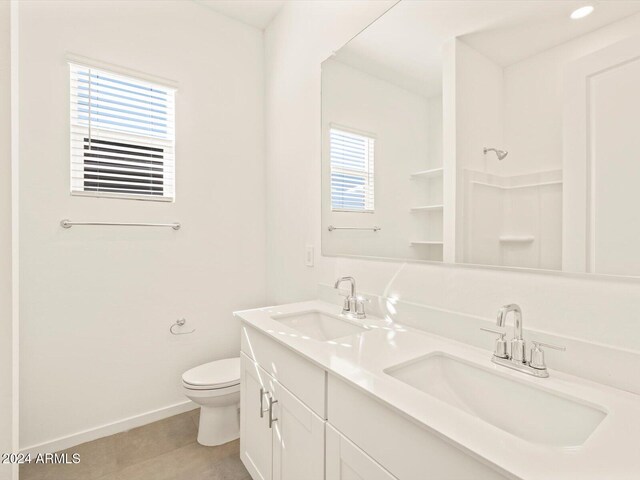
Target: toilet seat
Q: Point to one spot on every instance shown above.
(216, 375)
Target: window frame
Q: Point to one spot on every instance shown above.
(169, 142)
(368, 174)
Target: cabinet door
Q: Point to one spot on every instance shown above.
(345, 461)
(256, 446)
(298, 439)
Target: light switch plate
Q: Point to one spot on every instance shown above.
(308, 259)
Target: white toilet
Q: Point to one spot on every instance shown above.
(215, 386)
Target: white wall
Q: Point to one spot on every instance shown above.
(6, 341)
(434, 133)
(479, 109)
(355, 99)
(595, 309)
(297, 41)
(96, 303)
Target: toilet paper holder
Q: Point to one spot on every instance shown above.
(180, 323)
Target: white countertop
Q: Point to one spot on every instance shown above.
(611, 452)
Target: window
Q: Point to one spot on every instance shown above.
(351, 171)
(122, 136)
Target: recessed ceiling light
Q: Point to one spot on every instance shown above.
(582, 12)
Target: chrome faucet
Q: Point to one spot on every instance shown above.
(517, 359)
(517, 343)
(353, 305)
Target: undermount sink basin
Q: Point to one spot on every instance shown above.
(320, 326)
(520, 408)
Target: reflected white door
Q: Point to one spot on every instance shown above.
(601, 225)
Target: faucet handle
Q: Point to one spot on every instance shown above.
(548, 345)
(501, 344)
(537, 354)
(347, 300)
(359, 306)
(500, 331)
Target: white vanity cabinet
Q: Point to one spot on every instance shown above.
(280, 437)
(408, 451)
(345, 461)
(370, 406)
(301, 422)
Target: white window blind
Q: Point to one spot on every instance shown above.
(122, 136)
(352, 162)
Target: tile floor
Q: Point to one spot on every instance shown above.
(164, 450)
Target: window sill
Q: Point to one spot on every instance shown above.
(145, 198)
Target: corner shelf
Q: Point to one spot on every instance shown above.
(426, 208)
(433, 172)
(427, 188)
(513, 187)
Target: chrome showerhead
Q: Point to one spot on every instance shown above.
(500, 153)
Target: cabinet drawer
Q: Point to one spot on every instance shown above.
(301, 377)
(407, 450)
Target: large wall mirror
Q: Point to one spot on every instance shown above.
(501, 133)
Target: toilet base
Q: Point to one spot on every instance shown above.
(218, 425)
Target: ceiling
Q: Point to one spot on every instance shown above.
(404, 46)
(257, 13)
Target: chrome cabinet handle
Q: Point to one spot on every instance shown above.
(263, 410)
(272, 420)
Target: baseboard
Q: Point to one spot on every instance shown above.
(69, 441)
